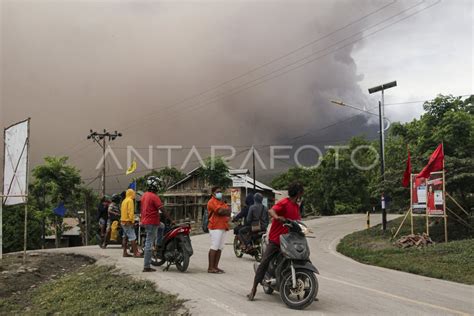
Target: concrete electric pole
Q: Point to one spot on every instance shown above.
(100, 139)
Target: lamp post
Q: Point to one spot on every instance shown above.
(372, 90)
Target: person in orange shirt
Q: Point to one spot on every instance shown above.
(218, 214)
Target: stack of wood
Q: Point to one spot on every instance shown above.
(414, 240)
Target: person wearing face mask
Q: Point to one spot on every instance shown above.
(287, 208)
(218, 214)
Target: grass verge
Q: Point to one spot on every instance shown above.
(93, 290)
(452, 261)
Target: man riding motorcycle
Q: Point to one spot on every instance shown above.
(287, 208)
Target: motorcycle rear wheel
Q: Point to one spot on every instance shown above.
(267, 289)
(184, 264)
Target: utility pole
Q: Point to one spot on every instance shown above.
(382, 88)
(100, 139)
(253, 167)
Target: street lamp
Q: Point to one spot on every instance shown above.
(372, 90)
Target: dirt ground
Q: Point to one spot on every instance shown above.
(16, 278)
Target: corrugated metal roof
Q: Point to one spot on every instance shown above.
(235, 173)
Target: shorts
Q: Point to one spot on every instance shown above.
(129, 232)
(102, 221)
(217, 238)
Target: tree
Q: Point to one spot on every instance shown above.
(215, 172)
(13, 228)
(84, 201)
(168, 176)
(449, 120)
(344, 189)
(295, 174)
(54, 182)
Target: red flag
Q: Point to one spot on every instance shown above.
(407, 174)
(435, 163)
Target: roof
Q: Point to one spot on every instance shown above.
(188, 176)
(234, 173)
(239, 171)
(73, 228)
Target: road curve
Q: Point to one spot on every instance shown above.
(346, 286)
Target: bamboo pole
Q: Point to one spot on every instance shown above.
(444, 202)
(460, 219)
(446, 228)
(411, 202)
(25, 233)
(456, 202)
(426, 211)
(403, 221)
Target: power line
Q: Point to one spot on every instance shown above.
(160, 168)
(267, 63)
(245, 86)
(423, 101)
(312, 60)
(291, 52)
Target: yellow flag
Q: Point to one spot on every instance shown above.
(132, 167)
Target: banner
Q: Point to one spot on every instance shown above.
(435, 194)
(15, 168)
(418, 195)
(235, 201)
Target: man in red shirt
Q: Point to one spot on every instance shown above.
(287, 208)
(150, 218)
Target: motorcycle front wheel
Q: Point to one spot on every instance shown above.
(183, 264)
(305, 291)
(258, 253)
(237, 250)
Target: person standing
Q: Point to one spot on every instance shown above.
(113, 215)
(285, 209)
(150, 218)
(102, 215)
(218, 214)
(127, 220)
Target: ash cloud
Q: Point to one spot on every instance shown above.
(76, 65)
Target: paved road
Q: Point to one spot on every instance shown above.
(346, 287)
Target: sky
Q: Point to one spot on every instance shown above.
(221, 72)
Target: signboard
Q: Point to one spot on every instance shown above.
(235, 201)
(435, 194)
(15, 168)
(418, 195)
(239, 182)
(265, 202)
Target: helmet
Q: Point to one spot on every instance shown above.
(153, 183)
(116, 198)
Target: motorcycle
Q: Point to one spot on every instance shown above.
(291, 272)
(176, 248)
(255, 249)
